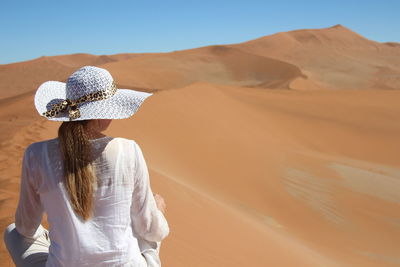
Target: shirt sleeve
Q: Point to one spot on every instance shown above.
(147, 220)
(28, 216)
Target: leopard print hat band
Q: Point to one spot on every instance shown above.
(74, 111)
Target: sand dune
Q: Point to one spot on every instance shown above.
(251, 176)
(334, 57)
(328, 58)
(289, 160)
(24, 77)
(216, 64)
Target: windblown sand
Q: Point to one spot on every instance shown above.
(281, 151)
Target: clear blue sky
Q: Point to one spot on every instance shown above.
(30, 29)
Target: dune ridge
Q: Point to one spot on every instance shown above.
(328, 58)
(334, 57)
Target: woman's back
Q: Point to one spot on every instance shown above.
(123, 208)
(96, 191)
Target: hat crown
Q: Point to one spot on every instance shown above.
(87, 80)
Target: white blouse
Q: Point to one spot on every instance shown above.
(124, 208)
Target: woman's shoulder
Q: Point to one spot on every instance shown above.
(35, 151)
(131, 146)
(127, 141)
(39, 145)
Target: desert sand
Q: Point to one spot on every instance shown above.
(279, 151)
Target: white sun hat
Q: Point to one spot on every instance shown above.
(89, 93)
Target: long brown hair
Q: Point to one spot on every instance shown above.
(78, 170)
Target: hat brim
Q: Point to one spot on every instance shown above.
(123, 104)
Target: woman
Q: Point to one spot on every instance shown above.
(94, 188)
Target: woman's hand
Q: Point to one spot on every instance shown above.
(160, 202)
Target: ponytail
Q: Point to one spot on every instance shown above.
(78, 170)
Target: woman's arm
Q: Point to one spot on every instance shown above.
(28, 216)
(147, 220)
(160, 202)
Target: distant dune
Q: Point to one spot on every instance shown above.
(328, 58)
(279, 151)
(334, 57)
